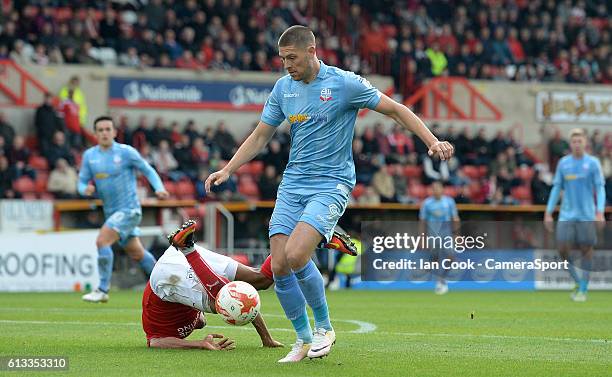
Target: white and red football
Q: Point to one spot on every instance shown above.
(238, 303)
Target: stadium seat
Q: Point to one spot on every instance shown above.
(412, 171)
(241, 258)
(32, 142)
(41, 181)
(525, 173)
(257, 168)
(451, 191)
(417, 191)
(248, 187)
(522, 194)
(471, 172)
(25, 185)
(29, 196)
(483, 170)
(46, 196)
(185, 190)
(38, 162)
(170, 187)
(358, 190)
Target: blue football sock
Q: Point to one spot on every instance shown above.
(311, 284)
(105, 267)
(147, 262)
(587, 265)
(294, 304)
(573, 272)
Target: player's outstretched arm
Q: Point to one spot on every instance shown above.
(405, 117)
(207, 343)
(264, 334)
(148, 171)
(247, 151)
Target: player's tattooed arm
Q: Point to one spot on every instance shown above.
(208, 343)
(264, 334)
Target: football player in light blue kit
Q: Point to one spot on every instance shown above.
(320, 103)
(439, 217)
(580, 177)
(112, 166)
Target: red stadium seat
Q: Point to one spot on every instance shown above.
(38, 162)
(412, 171)
(29, 196)
(257, 168)
(24, 185)
(41, 181)
(241, 258)
(170, 187)
(358, 190)
(483, 170)
(185, 190)
(451, 191)
(46, 196)
(522, 194)
(525, 173)
(417, 191)
(471, 172)
(249, 189)
(32, 143)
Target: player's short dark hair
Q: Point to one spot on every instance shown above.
(102, 118)
(298, 36)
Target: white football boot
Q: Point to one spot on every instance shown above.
(322, 342)
(96, 296)
(441, 287)
(298, 352)
(578, 296)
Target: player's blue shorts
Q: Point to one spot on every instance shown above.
(578, 233)
(125, 223)
(321, 208)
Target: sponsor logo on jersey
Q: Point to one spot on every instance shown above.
(291, 95)
(301, 118)
(101, 175)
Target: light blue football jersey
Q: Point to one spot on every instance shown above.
(581, 181)
(322, 117)
(114, 174)
(439, 215)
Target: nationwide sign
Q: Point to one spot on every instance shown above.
(179, 94)
(574, 107)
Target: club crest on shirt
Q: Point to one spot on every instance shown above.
(326, 94)
(117, 159)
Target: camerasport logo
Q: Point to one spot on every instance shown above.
(326, 94)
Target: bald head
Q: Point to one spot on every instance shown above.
(297, 36)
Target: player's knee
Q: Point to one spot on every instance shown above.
(296, 259)
(102, 242)
(280, 267)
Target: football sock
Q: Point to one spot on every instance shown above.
(210, 280)
(105, 267)
(147, 262)
(587, 264)
(573, 272)
(294, 304)
(313, 288)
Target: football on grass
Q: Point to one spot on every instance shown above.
(238, 303)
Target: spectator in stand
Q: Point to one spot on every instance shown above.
(59, 149)
(7, 178)
(175, 133)
(539, 188)
(275, 156)
(401, 145)
(400, 184)
(481, 147)
(364, 168)
(141, 133)
(500, 198)
(557, 148)
(435, 170)
(184, 157)
(124, 135)
(190, 130)
(4, 149)
(464, 147)
(382, 182)
(268, 183)
(200, 153)
(370, 144)
(159, 132)
(69, 111)
(6, 130)
(369, 197)
(47, 122)
(165, 163)
(19, 156)
(63, 180)
(78, 96)
(464, 196)
(224, 141)
(498, 144)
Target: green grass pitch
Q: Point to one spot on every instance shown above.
(390, 333)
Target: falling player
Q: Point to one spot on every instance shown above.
(580, 178)
(112, 166)
(439, 217)
(320, 103)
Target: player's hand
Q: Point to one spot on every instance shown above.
(548, 222)
(600, 220)
(271, 343)
(223, 344)
(442, 149)
(216, 179)
(90, 189)
(162, 194)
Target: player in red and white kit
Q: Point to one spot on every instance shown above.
(183, 285)
(185, 281)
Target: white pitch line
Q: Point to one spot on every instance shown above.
(488, 336)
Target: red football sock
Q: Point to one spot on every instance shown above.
(210, 280)
(266, 268)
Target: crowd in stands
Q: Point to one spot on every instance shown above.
(392, 166)
(541, 40)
